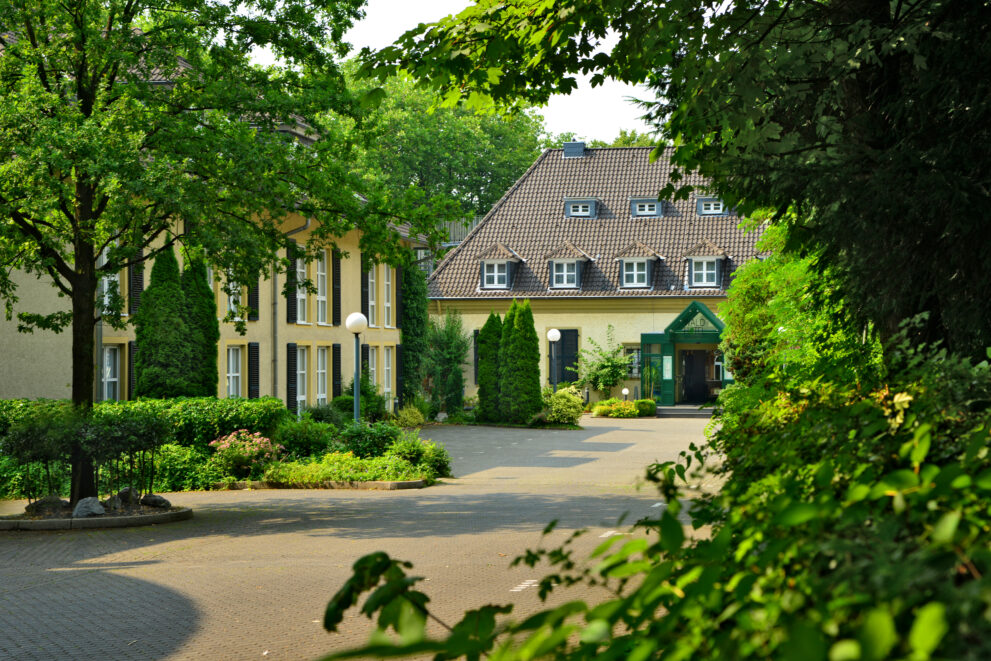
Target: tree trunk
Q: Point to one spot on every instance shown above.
(83, 359)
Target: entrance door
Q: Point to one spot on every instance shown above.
(693, 376)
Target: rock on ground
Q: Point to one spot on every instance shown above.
(152, 500)
(88, 507)
(46, 505)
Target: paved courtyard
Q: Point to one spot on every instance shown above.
(249, 576)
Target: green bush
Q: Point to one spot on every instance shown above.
(409, 416)
(369, 440)
(343, 467)
(243, 455)
(623, 410)
(437, 459)
(566, 406)
(329, 414)
(372, 407)
(24, 480)
(409, 447)
(305, 437)
(604, 407)
(646, 408)
(184, 468)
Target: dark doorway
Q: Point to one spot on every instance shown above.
(693, 376)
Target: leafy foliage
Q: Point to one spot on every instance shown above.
(646, 408)
(565, 406)
(242, 454)
(444, 363)
(164, 361)
(342, 467)
(522, 361)
(305, 437)
(369, 440)
(414, 322)
(200, 315)
(505, 364)
(409, 417)
(602, 367)
(489, 338)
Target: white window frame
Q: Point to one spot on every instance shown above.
(580, 208)
(372, 302)
(712, 207)
(302, 355)
(631, 276)
(322, 288)
(373, 354)
(646, 208)
(234, 371)
(561, 274)
(706, 281)
(321, 376)
(110, 373)
(387, 295)
(387, 377)
(493, 272)
(301, 293)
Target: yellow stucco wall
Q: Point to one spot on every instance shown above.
(629, 318)
(39, 364)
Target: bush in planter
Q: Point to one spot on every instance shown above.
(409, 416)
(437, 458)
(604, 407)
(244, 455)
(623, 410)
(366, 440)
(646, 407)
(409, 447)
(305, 437)
(565, 406)
(344, 467)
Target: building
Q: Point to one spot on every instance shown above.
(296, 347)
(583, 236)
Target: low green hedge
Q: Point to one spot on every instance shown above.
(344, 467)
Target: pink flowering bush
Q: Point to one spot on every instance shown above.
(244, 455)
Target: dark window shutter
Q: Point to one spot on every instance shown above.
(719, 273)
(691, 272)
(475, 344)
(291, 357)
(336, 370)
(568, 350)
(622, 270)
(400, 373)
(550, 273)
(399, 297)
(135, 284)
(253, 372)
(336, 287)
(132, 351)
(253, 302)
(481, 276)
(291, 283)
(364, 357)
(364, 287)
(511, 274)
(579, 267)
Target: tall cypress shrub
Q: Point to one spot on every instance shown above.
(161, 367)
(489, 338)
(505, 361)
(524, 366)
(200, 313)
(414, 331)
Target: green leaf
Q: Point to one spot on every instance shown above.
(596, 631)
(946, 527)
(927, 630)
(672, 533)
(805, 643)
(983, 480)
(877, 634)
(845, 650)
(922, 440)
(796, 514)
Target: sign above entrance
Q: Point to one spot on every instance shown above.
(698, 324)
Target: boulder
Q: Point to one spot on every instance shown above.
(88, 507)
(153, 500)
(113, 503)
(129, 495)
(48, 505)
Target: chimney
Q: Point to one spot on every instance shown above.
(574, 149)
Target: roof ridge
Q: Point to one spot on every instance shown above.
(495, 207)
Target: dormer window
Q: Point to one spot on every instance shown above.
(645, 206)
(634, 272)
(580, 207)
(494, 275)
(565, 274)
(704, 272)
(711, 207)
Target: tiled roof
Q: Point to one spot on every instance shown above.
(531, 218)
(498, 251)
(705, 248)
(567, 250)
(637, 249)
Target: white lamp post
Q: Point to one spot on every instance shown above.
(626, 391)
(357, 323)
(553, 336)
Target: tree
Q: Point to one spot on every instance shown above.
(126, 128)
(489, 338)
(164, 360)
(602, 367)
(444, 363)
(200, 313)
(523, 367)
(413, 322)
(632, 138)
(505, 360)
(870, 120)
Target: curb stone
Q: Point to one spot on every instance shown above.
(96, 522)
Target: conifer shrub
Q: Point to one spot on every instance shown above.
(489, 338)
(200, 313)
(505, 361)
(524, 367)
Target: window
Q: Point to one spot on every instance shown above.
(424, 260)
(301, 356)
(581, 209)
(635, 273)
(387, 378)
(717, 368)
(711, 207)
(372, 317)
(646, 208)
(495, 275)
(387, 293)
(111, 373)
(233, 371)
(321, 376)
(565, 274)
(373, 355)
(108, 283)
(234, 301)
(300, 291)
(633, 368)
(703, 272)
(322, 288)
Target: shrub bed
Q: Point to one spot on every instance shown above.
(344, 467)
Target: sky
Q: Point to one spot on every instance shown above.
(592, 113)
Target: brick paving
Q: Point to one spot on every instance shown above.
(249, 576)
